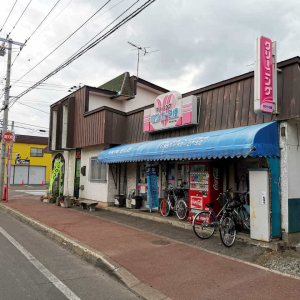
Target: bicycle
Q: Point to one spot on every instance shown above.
(205, 222)
(173, 203)
(234, 218)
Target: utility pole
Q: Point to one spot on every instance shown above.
(5, 109)
(10, 152)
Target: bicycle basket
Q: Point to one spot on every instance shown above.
(179, 193)
(234, 204)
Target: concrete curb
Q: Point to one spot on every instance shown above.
(273, 245)
(90, 255)
(179, 224)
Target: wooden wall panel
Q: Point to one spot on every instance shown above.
(287, 92)
(246, 102)
(214, 107)
(232, 102)
(208, 111)
(239, 104)
(220, 108)
(251, 116)
(227, 106)
(202, 112)
(295, 101)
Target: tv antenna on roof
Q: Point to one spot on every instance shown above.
(141, 51)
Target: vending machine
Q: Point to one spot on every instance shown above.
(205, 184)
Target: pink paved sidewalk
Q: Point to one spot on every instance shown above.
(179, 271)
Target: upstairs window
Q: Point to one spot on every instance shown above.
(36, 152)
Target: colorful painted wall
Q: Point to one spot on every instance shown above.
(25, 150)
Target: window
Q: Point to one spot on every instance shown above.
(36, 152)
(97, 171)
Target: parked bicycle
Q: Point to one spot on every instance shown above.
(234, 219)
(206, 222)
(174, 200)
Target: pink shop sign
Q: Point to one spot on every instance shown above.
(170, 111)
(263, 77)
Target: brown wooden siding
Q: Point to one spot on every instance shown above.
(70, 128)
(230, 106)
(115, 128)
(224, 105)
(89, 130)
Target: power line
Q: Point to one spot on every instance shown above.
(26, 41)
(44, 84)
(38, 54)
(19, 19)
(34, 108)
(8, 15)
(33, 130)
(42, 88)
(53, 20)
(65, 40)
(30, 125)
(74, 57)
(85, 43)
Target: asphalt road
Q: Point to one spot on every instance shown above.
(34, 267)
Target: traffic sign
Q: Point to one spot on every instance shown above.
(8, 136)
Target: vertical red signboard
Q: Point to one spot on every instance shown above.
(263, 89)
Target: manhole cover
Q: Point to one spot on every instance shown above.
(160, 242)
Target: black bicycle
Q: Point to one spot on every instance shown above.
(234, 219)
(206, 222)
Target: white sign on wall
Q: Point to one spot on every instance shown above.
(170, 110)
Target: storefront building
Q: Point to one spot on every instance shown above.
(207, 139)
(30, 164)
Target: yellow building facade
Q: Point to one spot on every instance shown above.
(29, 163)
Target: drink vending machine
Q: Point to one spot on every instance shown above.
(205, 184)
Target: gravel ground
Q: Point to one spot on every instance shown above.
(286, 261)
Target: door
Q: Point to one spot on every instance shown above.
(37, 174)
(21, 174)
(77, 173)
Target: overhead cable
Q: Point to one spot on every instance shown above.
(64, 40)
(27, 40)
(34, 108)
(74, 57)
(8, 15)
(19, 19)
(49, 47)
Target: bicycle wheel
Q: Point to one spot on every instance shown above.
(228, 231)
(181, 209)
(204, 225)
(245, 217)
(165, 207)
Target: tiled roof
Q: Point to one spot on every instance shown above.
(120, 84)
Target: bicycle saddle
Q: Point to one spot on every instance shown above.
(211, 204)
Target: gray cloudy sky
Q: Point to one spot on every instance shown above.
(200, 41)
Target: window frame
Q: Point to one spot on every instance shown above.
(42, 154)
(90, 171)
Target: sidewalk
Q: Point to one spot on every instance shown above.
(174, 269)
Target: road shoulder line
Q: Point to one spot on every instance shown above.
(90, 255)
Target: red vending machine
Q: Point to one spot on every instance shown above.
(205, 185)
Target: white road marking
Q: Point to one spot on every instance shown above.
(33, 192)
(51, 277)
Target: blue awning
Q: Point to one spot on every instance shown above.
(255, 141)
